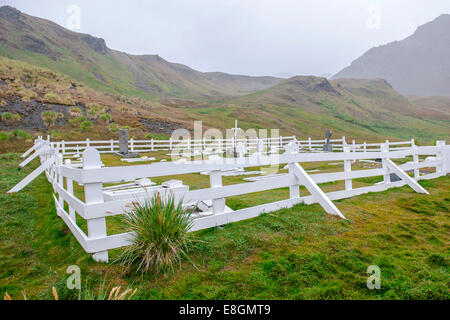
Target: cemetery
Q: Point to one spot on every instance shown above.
(95, 181)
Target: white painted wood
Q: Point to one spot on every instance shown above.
(76, 231)
(39, 151)
(242, 214)
(59, 162)
(416, 161)
(93, 193)
(348, 171)
(405, 177)
(294, 189)
(440, 155)
(386, 172)
(93, 176)
(117, 174)
(317, 193)
(22, 184)
(37, 144)
(218, 204)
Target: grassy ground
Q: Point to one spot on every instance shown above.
(300, 253)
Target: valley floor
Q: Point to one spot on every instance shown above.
(298, 253)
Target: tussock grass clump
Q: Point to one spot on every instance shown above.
(49, 117)
(161, 235)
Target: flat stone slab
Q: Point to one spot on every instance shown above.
(138, 159)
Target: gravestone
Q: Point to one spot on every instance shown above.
(291, 147)
(123, 145)
(260, 146)
(123, 141)
(241, 149)
(327, 146)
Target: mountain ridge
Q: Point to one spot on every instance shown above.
(88, 59)
(418, 64)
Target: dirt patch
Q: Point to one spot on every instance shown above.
(160, 126)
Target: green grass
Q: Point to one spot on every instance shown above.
(297, 253)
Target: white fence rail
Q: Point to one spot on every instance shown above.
(110, 146)
(96, 206)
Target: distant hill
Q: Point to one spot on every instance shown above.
(418, 65)
(88, 59)
(361, 108)
(56, 69)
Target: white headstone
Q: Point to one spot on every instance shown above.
(241, 150)
(291, 147)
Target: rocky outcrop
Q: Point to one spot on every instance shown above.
(96, 44)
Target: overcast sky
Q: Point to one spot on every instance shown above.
(255, 37)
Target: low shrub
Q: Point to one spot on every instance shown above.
(52, 97)
(113, 127)
(105, 117)
(4, 135)
(49, 117)
(7, 116)
(20, 134)
(75, 112)
(86, 125)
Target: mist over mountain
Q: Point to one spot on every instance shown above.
(418, 65)
(174, 94)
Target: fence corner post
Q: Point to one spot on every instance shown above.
(93, 193)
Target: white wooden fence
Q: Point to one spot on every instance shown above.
(110, 146)
(96, 207)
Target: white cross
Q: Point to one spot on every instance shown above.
(235, 129)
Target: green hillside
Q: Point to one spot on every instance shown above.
(176, 94)
(88, 59)
(308, 106)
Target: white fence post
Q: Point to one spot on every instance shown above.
(132, 144)
(93, 193)
(215, 179)
(416, 161)
(386, 171)
(309, 144)
(354, 145)
(88, 143)
(153, 145)
(69, 186)
(294, 190)
(63, 147)
(112, 145)
(348, 171)
(170, 144)
(60, 180)
(365, 146)
(441, 169)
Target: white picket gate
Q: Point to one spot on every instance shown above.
(95, 208)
